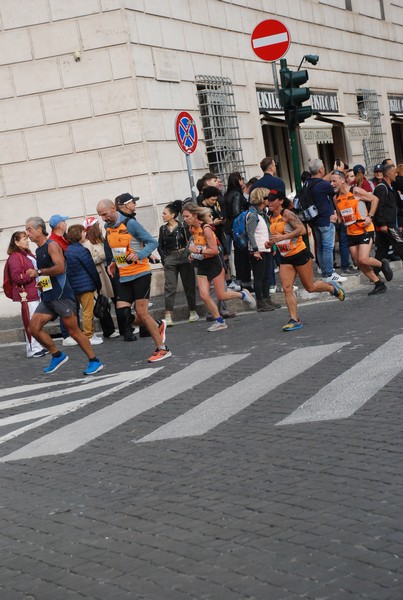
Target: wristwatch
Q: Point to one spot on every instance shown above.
(39, 271)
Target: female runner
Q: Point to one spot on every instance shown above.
(286, 231)
(205, 253)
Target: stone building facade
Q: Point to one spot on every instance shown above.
(90, 91)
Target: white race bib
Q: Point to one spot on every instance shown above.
(284, 247)
(347, 216)
(119, 254)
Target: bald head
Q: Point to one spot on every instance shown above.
(107, 211)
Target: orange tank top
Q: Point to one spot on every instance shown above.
(119, 240)
(353, 213)
(287, 247)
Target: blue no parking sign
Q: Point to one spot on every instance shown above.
(186, 132)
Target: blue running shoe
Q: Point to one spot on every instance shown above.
(55, 363)
(93, 367)
(292, 325)
(338, 291)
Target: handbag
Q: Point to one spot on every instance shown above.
(101, 307)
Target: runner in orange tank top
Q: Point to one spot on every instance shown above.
(352, 211)
(286, 231)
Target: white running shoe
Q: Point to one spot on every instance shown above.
(193, 316)
(294, 288)
(272, 289)
(217, 326)
(335, 277)
(249, 299)
(168, 319)
(95, 341)
(234, 287)
(69, 341)
(115, 334)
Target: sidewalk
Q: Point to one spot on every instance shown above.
(11, 329)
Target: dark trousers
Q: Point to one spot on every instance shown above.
(242, 265)
(176, 264)
(384, 239)
(260, 275)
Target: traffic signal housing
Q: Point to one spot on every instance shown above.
(292, 95)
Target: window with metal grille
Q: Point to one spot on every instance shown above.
(368, 109)
(220, 125)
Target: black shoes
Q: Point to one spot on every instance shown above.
(379, 288)
(386, 269)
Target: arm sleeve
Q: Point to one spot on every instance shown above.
(160, 246)
(89, 266)
(236, 205)
(381, 192)
(251, 223)
(108, 252)
(17, 270)
(138, 231)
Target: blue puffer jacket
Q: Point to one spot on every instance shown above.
(81, 271)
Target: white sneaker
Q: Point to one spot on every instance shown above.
(95, 341)
(193, 316)
(335, 277)
(276, 269)
(294, 288)
(234, 287)
(319, 270)
(272, 289)
(249, 299)
(115, 334)
(136, 329)
(69, 341)
(168, 320)
(217, 326)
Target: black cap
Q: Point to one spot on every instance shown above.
(125, 199)
(378, 167)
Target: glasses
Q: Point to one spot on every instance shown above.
(336, 172)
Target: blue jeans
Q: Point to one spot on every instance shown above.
(325, 237)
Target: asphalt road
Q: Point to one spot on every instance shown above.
(252, 464)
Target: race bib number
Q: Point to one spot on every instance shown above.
(119, 254)
(347, 216)
(284, 247)
(44, 282)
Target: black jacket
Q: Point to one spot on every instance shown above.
(235, 203)
(386, 213)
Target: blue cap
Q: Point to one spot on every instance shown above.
(55, 220)
(358, 168)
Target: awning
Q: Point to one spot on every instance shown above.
(396, 118)
(316, 132)
(356, 129)
(269, 118)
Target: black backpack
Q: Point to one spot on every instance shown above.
(304, 205)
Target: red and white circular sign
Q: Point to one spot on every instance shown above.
(270, 40)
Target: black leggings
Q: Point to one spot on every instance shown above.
(260, 275)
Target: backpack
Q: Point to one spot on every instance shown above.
(7, 283)
(303, 202)
(239, 231)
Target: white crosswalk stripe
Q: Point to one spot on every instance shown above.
(230, 401)
(343, 396)
(70, 437)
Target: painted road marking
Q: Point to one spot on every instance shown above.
(72, 436)
(343, 396)
(230, 401)
(45, 415)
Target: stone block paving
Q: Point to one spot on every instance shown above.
(246, 511)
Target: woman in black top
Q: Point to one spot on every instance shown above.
(172, 242)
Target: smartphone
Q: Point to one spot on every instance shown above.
(338, 162)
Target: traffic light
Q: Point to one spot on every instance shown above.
(292, 95)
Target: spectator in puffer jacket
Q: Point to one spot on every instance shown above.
(83, 277)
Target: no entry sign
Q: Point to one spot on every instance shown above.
(270, 40)
(186, 132)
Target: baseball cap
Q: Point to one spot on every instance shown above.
(358, 168)
(89, 222)
(55, 220)
(125, 199)
(378, 167)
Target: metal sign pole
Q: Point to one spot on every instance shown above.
(191, 180)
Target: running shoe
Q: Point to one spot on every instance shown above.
(168, 320)
(338, 291)
(292, 325)
(335, 277)
(39, 354)
(69, 341)
(248, 298)
(55, 363)
(234, 287)
(217, 326)
(193, 316)
(115, 334)
(95, 340)
(93, 367)
(386, 269)
(162, 328)
(272, 289)
(160, 354)
(379, 288)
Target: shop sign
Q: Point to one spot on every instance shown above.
(395, 104)
(323, 102)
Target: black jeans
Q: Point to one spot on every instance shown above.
(384, 239)
(260, 275)
(242, 265)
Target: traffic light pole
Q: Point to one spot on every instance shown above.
(296, 167)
